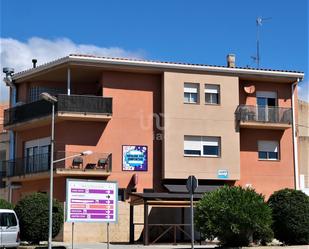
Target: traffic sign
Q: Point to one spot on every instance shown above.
(192, 184)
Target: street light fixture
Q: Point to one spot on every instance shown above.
(52, 99)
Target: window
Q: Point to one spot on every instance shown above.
(8, 220)
(212, 94)
(35, 91)
(37, 153)
(268, 150)
(202, 146)
(191, 93)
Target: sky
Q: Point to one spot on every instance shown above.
(181, 31)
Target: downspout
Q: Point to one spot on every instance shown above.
(295, 144)
(9, 82)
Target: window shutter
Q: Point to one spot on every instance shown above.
(269, 146)
(211, 89)
(192, 143)
(190, 88)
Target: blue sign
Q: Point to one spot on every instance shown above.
(223, 174)
(134, 158)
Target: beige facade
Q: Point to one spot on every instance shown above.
(200, 120)
(303, 131)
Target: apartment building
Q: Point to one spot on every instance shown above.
(4, 152)
(303, 135)
(151, 125)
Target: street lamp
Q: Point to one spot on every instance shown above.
(52, 99)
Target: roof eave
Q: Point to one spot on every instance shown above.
(158, 66)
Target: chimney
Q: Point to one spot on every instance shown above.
(230, 59)
(34, 61)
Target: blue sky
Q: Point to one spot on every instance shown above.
(188, 31)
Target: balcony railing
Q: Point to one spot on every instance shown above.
(66, 104)
(101, 162)
(263, 114)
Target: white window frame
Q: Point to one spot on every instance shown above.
(191, 89)
(197, 143)
(212, 89)
(269, 146)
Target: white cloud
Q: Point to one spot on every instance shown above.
(18, 54)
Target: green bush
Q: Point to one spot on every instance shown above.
(5, 204)
(290, 211)
(234, 215)
(32, 212)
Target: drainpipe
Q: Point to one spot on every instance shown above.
(9, 82)
(69, 81)
(295, 144)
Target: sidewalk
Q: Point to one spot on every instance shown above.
(130, 246)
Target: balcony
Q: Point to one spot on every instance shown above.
(38, 166)
(263, 117)
(68, 107)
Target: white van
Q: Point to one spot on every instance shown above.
(9, 229)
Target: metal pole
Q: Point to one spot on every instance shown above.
(107, 231)
(192, 222)
(258, 44)
(69, 82)
(50, 230)
(72, 235)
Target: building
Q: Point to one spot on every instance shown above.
(303, 134)
(225, 125)
(4, 153)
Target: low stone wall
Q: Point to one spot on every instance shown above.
(96, 232)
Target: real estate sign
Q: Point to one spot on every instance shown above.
(134, 158)
(91, 201)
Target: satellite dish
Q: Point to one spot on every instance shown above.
(249, 89)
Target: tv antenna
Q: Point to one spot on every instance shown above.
(259, 21)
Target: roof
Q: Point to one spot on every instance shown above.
(161, 198)
(162, 65)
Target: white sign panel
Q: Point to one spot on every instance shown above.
(91, 201)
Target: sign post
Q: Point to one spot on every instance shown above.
(192, 184)
(91, 201)
(72, 235)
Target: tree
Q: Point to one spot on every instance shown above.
(5, 204)
(32, 212)
(290, 211)
(235, 215)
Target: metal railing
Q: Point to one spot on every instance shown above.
(27, 165)
(41, 163)
(84, 104)
(265, 114)
(26, 112)
(66, 103)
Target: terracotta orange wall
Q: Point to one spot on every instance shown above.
(2, 108)
(283, 92)
(135, 98)
(266, 176)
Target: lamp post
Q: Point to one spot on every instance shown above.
(53, 100)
